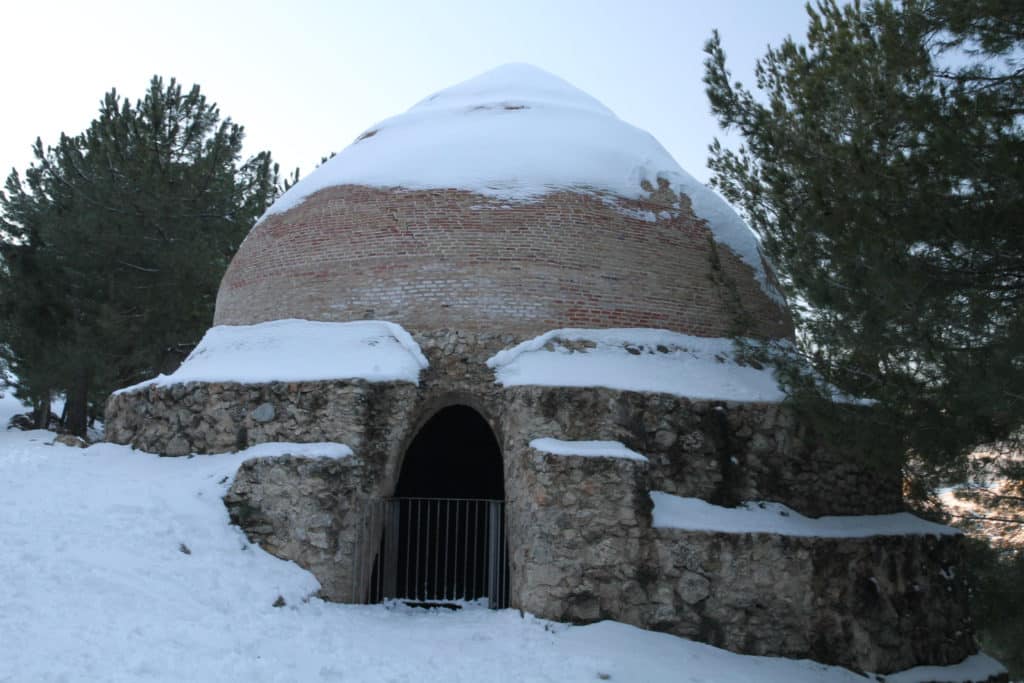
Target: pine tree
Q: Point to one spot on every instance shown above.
(116, 240)
(882, 165)
(31, 312)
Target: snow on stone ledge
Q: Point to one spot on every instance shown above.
(586, 449)
(274, 449)
(635, 359)
(975, 669)
(517, 133)
(299, 350)
(694, 514)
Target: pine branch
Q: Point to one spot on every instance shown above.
(139, 268)
(976, 518)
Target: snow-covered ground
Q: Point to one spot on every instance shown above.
(116, 565)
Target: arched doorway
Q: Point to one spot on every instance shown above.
(444, 529)
(454, 455)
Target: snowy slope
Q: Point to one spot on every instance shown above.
(516, 133)
(96, 585)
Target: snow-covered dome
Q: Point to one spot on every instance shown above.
(503, 151)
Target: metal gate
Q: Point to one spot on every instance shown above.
(432, 551)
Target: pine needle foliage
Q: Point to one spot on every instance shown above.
(882, 165)
(115, 240)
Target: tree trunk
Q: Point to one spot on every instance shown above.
(41, 412)
(77, 406)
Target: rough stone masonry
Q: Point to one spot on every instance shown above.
(581, 543)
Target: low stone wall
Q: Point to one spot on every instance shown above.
(576, 535)
(582, 549)
(719, 451)
(878, 604)
(215, 417)
(304, 509)
(723, 452)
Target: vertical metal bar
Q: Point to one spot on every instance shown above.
(426, 567)
(444, 567)
(380, 551)
(502, 559)
(373, 554)
(455, 552)
(437, 547)
(408, 546)
(389, 570)
(416, 570)
(380, 506)
(500, 600)
(506, 580)
(493, 528)
(464, 510)
(476, 524)
(365, 550)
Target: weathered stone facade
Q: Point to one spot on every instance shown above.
(872, 604)
(580, 537)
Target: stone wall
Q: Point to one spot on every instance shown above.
(577, 531)
(878, 604)
(452, 258)
(583, 549)
(307, 510)
(215, 417)
(722, 452)
(580, 538)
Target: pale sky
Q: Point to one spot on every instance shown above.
(305, 78)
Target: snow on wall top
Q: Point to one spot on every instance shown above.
(586, 449)
(517, 132)
(694, 514)
(276, 449)
(635, 359)
(299, 350)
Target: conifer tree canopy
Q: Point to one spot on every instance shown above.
(882, 164)
(114, 243)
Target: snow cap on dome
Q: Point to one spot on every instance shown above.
(517, 133)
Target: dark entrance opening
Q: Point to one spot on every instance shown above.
(443, 532)
(455, 455)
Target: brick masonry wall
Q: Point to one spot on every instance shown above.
(431, 259)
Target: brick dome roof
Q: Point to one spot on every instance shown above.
(511, 202)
